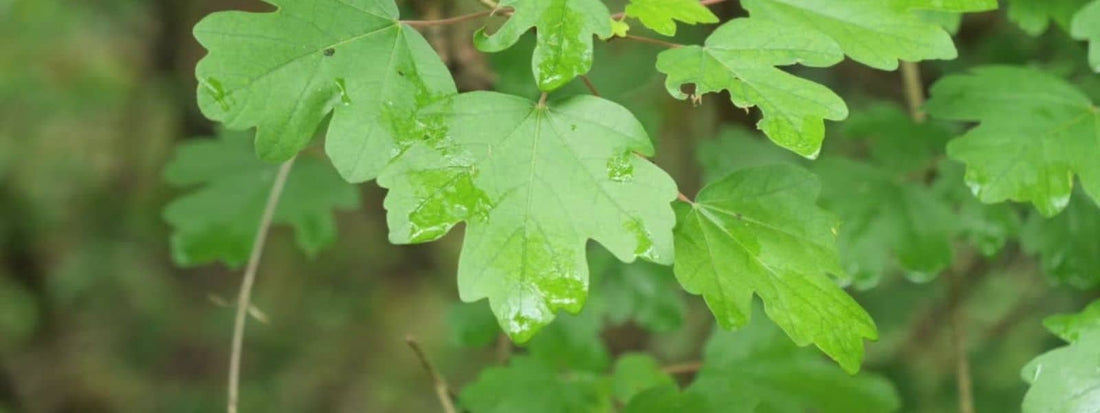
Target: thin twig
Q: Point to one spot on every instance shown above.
(452, 20)
(683, 368)
(441, 389)
(504, 348)
(542, 100)
(590, 85)
(914, 90)
(620, 15)
(650, 40)
(958, 344)
(245, 296)
(682, 197)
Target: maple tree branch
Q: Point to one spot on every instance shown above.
(590, 85)
(914, 90)
(245, 296)
(441, 389)
(963, 381)
(650, 40)
(683, 368)
(444, 22)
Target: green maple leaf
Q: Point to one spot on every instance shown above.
(759, 232)
(1086, 26)
(533, 184)
(530, 385)
(888, 214)
(219, 219)
(661, 15)
(885, 219)
(1065, 244)
(1036, 131)
(756, 369)
(564, 28)
(635, 373)
(874, 32)
(740, 57)
(1034, 16)
(642, 292)
(284, 72)
(1066, 379)
(947, 5)
(1070, 327)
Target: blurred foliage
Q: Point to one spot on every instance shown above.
(95, 316)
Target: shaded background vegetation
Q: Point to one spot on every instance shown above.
(94, 315)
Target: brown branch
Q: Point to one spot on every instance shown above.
(442, 391)
(444, 22)
(650, 40)
(504, 348)
(245, 296)
(963, 381)
(590, 85)
(914, 90)
(683, 368)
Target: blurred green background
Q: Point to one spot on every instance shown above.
(95, 316)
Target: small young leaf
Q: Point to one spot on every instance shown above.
(572, 343)
(635, 373)
(284, 72)
(669, 399)
(1071, 327)
(759, 232)
(1086, 26)
(530, 385)
(661, 15)
(472, 324)
(1036, 132)
(533, 184)
(219, 220)
(565, 29)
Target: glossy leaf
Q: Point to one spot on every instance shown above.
(533, 183)
(219, 219)
(758, 231)
(661, 15)
(1066, 244)
(1086, 26)
(756, 369)
(564, 28)
(529, 385)
(741, 57)
(1036, 132)
(284, 72)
